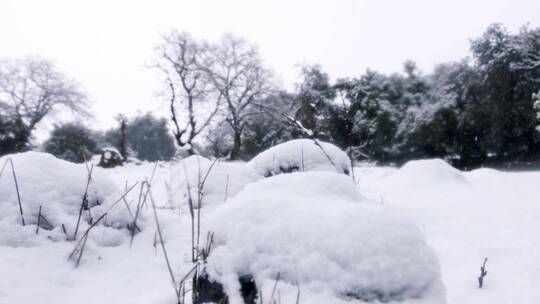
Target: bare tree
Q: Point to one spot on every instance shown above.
(30, 90)
(236, 72)
(179, 60)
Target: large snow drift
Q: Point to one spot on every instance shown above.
(56, 185)
(316, 230)
(223, 180)
(300, 155)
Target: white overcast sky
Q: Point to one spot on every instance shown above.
(105, 43)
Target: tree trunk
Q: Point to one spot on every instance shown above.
(123, 140)
(235, 151)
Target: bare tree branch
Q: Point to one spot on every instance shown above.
(178, 59)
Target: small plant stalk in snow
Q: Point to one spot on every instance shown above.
(38, 220)
(483, 273)
(141, 202)
(16, 186)
(226, 188)
(79, 246)
(84, 203)
(165, 255)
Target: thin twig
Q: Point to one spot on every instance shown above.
(309, 133)
(191, 213)
(201, 188)
(137, 212)
(39, 220)
(226, 188)
(149, 183)
(483, 273)
(84, 203)
(85, 238)
(208, 173)
(4, 166)
(17, 190)
(275, 287)
(141, 203)
(302, 159)
(302, 129)
(85, 234)
(177, 291)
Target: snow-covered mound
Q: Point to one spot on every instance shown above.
(300, 155)
(223, 180)
(428, 172)
(56, 185)
(316, 230)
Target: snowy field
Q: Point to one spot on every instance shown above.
(426, 212)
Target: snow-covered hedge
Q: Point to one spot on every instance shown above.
(56, 185)
(300, 155)
(224, 180)
(316, 230)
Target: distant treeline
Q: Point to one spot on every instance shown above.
(224, 103)
(478, 110)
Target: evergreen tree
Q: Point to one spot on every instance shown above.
(314, 95)
(72, 142)
(146, 136)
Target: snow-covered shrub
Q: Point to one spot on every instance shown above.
(300, 155)
(56, 185)
(428, 172)
(224, 180)
(316, 230)
(71, 141)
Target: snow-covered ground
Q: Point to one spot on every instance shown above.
(463, 216)
(467, 216)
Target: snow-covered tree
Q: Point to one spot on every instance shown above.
(314, 95)
(536, 108)
(509, 65)
(30, 90)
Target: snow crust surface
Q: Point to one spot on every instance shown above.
(492, 214)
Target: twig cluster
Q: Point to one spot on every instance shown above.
(199, 254)
(275, 296)
(77, 252)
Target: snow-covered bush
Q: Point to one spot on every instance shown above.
(428, 172)
(301, 155)
(73, 142)
(224, 180)
(56, 185)
(316, 230)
